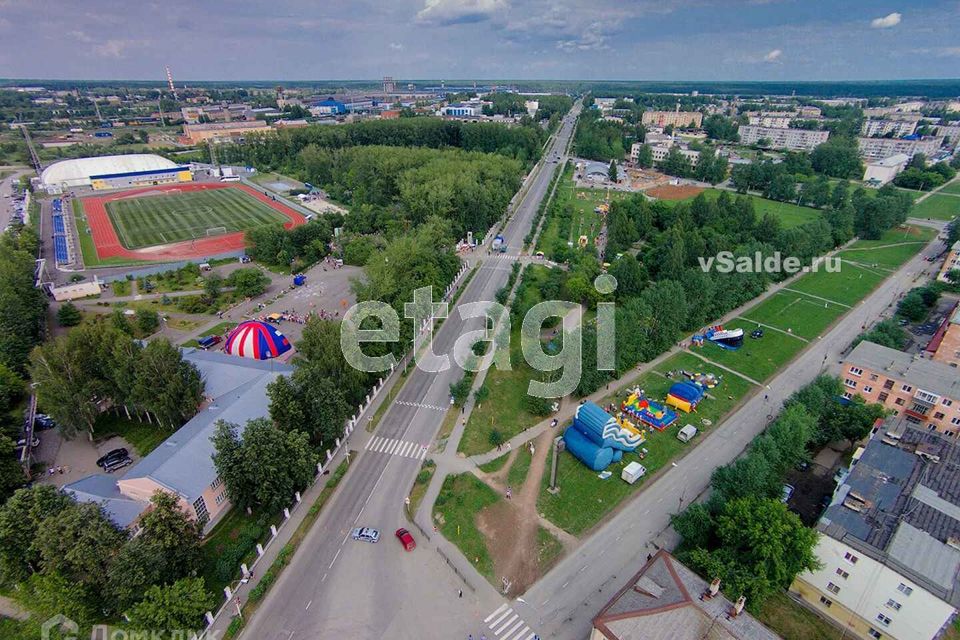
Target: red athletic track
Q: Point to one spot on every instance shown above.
(108, 243)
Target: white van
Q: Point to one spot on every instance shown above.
(686, 434)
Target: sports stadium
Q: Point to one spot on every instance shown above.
(155, 212)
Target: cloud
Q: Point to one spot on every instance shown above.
(948, 52)
(396, 46)
(593, 38)
(886, 21)
(111, 48)
(773, 56)
(447, 12)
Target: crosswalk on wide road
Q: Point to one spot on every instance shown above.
(508, 625)
(393, 447)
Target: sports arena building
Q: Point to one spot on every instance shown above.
(113, 172)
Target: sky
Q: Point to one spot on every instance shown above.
(481, 39)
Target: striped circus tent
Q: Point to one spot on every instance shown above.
(257, 340)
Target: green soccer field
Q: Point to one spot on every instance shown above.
(162, 219)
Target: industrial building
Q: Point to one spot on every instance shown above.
(879, 148)
(889, 542)
(779, 138)
(899, 128)
(676, 118)
(197, 133)
(110, 171)
(883, 171)
(149, 177)
(470, 109)
(924, 392)
(216, 113)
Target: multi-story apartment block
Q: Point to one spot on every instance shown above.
(889, 542)
(879, 148)
(899, 128)
(660, 152)
(675, 118)
(775, 120)
(944, 346)
(792, 139)
(925, 392)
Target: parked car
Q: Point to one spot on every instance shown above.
(365, 534)
(787, 493)
(22, 442)
(208, 341)
(42, 421)
(112, 456)
(409, 544)
(756, 333)
(117, 463)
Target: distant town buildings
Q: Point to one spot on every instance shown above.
(899, 128)
(668, 600)
(925, 392)
(216, 113)
(676, 118)
(196, 133)
(879, 148)
(775, 119)
(883, 171)
(777, 138)
(469, 109)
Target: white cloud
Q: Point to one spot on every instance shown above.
(396, 46)
(773, 56)
(886, 21)
(447, 12)
(948, 52)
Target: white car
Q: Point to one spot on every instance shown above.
(365, 534)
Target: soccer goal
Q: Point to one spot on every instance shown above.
(216, 231)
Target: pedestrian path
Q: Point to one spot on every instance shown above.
(508, 625)
(393, 447)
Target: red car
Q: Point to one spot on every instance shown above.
(406, 539)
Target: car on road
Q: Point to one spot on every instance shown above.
(42, 421)
(365, 534)
(787, 493)
(409, 544)
(112, 456)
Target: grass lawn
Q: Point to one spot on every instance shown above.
(848, 286)
(938, 207)
(461, 498)
(217, 329)
(549, 550)
(232, 541)
(758, 359)
(121, 288)
(420, 485)
(792, 622)
(806, 316)
(519, 468)
(143, 436)
(584, 221)
(584, 499)
(790, 215)
(162, 219)
(953, 187)
(495, 465)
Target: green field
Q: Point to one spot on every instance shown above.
(790, 215)
(807, 317)
(88, 249)
(151, 220)
(759, 358)
(848, 286)
(953, 187)
(938, 207)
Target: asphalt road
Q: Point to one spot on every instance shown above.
(572, 593)
(338, 587)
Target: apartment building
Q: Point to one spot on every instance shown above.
(951, 132)
(944, 346)
(898, 128)
(660, 152)
(951, 262)
(809, 111)
(924, 392)
(775, 119)
(791, 139)
(879, 148)
(889, 542)
(676, 118)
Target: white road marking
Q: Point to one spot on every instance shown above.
(506, 624)
(335, 558)
(308, 605)
(407, 448)
(513, 630)
(545, 602)
(502, 616)
(499, 609)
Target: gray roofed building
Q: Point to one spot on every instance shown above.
(664, 602)
(929, 375)
(236, 391)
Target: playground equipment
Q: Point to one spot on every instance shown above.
(647, 411)
(685, 396)
(583, 242)
(730, 339)
(596, 439)
(299, 280)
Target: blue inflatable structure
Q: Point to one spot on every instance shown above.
(595, 438)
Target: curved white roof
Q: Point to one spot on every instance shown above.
(78, 171)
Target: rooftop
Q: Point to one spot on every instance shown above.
(662, 602)
(932, 376)
(900, 505)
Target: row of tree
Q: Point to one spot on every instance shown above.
(296, 248)
(922, 176)
(743, 533)
(96, 367)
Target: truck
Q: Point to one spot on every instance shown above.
(499, 245)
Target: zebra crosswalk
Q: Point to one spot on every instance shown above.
(422, 405)
(506, 624)
(393, 447)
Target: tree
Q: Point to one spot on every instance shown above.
(612, 171)
(147, 321)
(645, 156)
(11, 388)
(179, 606)
(68, 315)
(165, 384)
(838, 158)
(676, 164)
(212, 286)
(21, 518)
(816, 192)
(11, 474)
(79, 543)
(266, 467)
(249, 282)
(912, 306)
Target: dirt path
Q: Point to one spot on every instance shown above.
(511, 526)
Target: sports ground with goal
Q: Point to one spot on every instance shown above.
(180, 221)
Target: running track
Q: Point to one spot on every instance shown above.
(108, 244)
